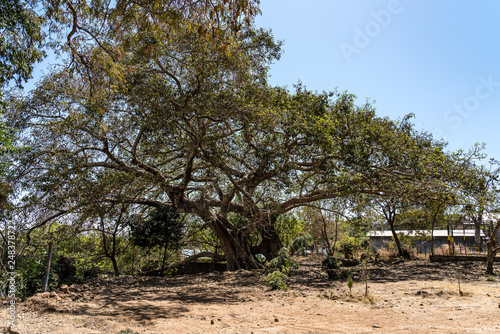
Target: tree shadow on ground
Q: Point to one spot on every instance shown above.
(311, 275)
(419, 270)
(145, 299)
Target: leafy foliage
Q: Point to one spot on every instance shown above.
(300, 244)
(330, 262)
(164, 227)
(127, 331)
(276, 280)
(283, 262)
(289, 228)
(167, 104)
(31, 276)
(338, 274)
(349, 285)
(20, 41)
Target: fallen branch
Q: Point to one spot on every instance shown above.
(191, 258)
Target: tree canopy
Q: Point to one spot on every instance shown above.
(20, 40)
(167, 104)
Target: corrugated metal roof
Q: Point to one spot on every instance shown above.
(423, 233)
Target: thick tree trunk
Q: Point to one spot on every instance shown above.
(271, 242)
(235, 247)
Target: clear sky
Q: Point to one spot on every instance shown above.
(437, 59)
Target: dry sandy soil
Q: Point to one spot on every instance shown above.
(409, 297)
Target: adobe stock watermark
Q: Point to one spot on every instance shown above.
(363, 36)
(459, 112)
(9, 286)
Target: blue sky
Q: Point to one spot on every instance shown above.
(438, 60)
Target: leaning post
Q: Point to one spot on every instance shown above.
(47, 268)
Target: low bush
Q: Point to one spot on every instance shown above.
(283, 262)
(338, 274)
(276, 281)
(301, 244)
(330, 262)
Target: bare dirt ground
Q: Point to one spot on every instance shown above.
(410, 297)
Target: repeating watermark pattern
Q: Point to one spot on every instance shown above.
(458, 112)
(373, 28)
(10, 285)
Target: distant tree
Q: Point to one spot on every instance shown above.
(322, 222)
(164, 227)
(481, 194)
(289, 227)
(110, 222)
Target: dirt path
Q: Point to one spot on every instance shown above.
(411, 297)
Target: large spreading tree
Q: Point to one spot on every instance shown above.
(167, 104)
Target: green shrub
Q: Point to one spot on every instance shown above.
(127, 331)
(338, 274)
(276, 280)
(283, 262)
(300, 244)
(344, 273)
(31, 274)
(348, 250)
(330, 262)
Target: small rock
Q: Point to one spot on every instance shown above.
(276, 320)
(74, 288)
(422, 293)
(212, 322)
(64, 288)
(376, 326)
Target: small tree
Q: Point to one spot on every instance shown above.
(164, 227)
